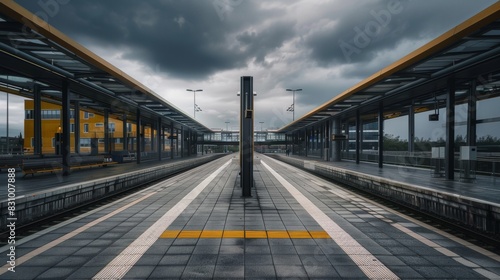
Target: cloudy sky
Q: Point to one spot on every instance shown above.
(321, 46)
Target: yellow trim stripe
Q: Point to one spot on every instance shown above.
(263, 234)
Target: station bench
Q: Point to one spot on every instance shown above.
(10, 162)
(51, 165)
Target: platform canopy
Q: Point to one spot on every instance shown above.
(465, 52)
(35, 54)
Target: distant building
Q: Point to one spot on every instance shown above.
(11, 145)
(91, 127)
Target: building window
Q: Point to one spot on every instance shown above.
(129, 127)
(99, 125)
(85, 128)
(72, 128)
(51, 114)
(29, 115)
(91, 115)
(100, 141)
(72, 114)
(86, 115)
(111, 127)
(84, 142)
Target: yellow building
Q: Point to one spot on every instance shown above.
(91, 127)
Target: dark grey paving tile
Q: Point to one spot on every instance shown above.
(166, 272)
(197, 272)
(176, 250)
(57, 273)
(88, 251)
(308, 250)
(459, 272)
(45, 261)
(261, 271)
(280, 242)
(174, 260)
(350, 272)
(73, 261)
(61, 251)
(295, 271)
(250, 249)
(258, 259)
(86, 272)
(229, 272)
(100, 243)
(286, 259)
(209, 242)
(431, 272)
(208, 249)
(283, 250)
(324, 271)
(232, 249)
(415, 261)
(230, 259)
(26, 272)
(149, 259)
(233, 241)
(257, 242)
(139, 272)
(99, 260)
(202, 259)
(185, 241)
(314, 260)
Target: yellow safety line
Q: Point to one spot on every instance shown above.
(263, 234)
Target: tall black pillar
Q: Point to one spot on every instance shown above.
(77, 127)
(381, 135)
(181, 141)
(358, 136)
(247, 135)
(411, 129)
(337, 144)
(37, 119)
(450, 132)
(106, 131)
(159, 133)
(171, 141)
(138, 128)
(125, 133)
(152, 139)
(65, 139)
(471, 115)
(306, 142)
(143, 138)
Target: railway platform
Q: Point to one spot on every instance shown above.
(295, 225)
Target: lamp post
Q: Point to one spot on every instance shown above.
(292, 108)
(227, 125)
(195, 107)
(261, 125)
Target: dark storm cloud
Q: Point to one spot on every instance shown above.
(323, 47)
(186, 39)
(364, 29)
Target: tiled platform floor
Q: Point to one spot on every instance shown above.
(404, 247)
(484, 187)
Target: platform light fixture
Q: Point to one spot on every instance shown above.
(292, 107)
(195, 107)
